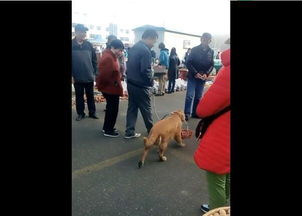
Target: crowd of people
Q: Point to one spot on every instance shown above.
(213, 153)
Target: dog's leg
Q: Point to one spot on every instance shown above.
(142, 161)
(158, 143)
(148, 146)
(178, 139)
(162, 150)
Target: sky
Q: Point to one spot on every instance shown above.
(189, 16)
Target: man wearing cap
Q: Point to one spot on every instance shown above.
(200, 63)
(84, 68)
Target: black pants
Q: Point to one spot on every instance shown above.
(80, 104)
(171, 84)
(112, 105)
(138, 98)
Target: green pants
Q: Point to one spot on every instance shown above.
(219, 189)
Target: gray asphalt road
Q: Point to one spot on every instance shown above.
(107, 182)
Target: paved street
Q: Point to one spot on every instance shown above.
(107, 182)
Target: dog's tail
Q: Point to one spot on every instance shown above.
(151, 141)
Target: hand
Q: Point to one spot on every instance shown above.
(204, 77)
(198, 76)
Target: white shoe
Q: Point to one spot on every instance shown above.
(133, 136)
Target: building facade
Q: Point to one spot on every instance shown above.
(180, 40)
(98, 32)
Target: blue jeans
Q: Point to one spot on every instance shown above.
(194, 93)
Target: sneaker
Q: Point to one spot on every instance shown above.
(111, 134)
(80, 117)
(94, 116)
(204, 208)
(114, 129)
(132, 136)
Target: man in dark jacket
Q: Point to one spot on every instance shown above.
(84, 67)
(200, 63)
(139, 83)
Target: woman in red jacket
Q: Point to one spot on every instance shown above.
(213, 153)
(109, 83)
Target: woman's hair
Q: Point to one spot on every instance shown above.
(161, 45)
(173, 51)
(117, 44)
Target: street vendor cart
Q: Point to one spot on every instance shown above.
(183, 72)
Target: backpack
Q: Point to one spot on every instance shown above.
(205, 122)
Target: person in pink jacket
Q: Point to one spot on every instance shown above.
(213, 153)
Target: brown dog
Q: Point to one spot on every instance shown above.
(162, 133)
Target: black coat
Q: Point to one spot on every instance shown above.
(200, 61)
(173, 69)
(139, 70)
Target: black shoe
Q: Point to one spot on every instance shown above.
(114, 129)
(128, 136)
(111, 134)
(187, 117)
(93, 116)
(80, 117)
(204, 208)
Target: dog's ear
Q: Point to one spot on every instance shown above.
(181, 115)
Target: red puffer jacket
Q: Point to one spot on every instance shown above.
(213, 153)
(109, 79)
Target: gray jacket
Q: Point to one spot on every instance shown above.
(84, 62)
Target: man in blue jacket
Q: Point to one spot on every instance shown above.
(84, 68)
(139, 83)
(200, 63)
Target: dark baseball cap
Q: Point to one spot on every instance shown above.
(80, 27)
